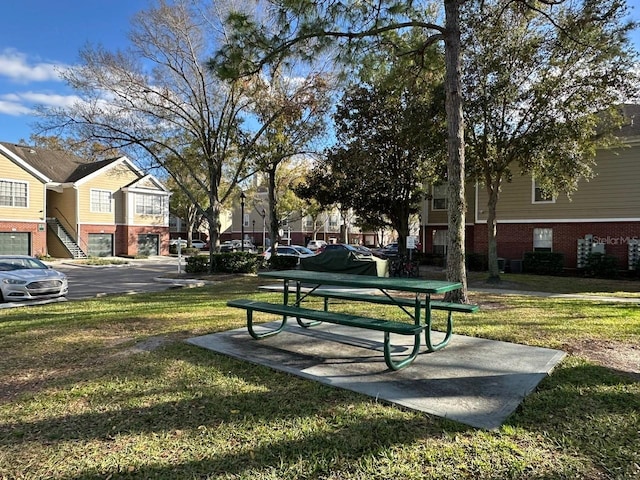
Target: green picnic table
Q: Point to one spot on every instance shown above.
(358, 288)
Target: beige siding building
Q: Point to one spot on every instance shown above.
(603, 215)
(75, 208)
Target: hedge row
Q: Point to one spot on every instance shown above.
(227, 262)
(238, 262)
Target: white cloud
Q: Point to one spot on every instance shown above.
(13, 108)
(49, 99)
(16, 104)
(17, 67)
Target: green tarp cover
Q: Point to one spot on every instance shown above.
(344, 261)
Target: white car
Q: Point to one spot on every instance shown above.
(26, 278)
(316, 244)
(198, 244)
(290, 251)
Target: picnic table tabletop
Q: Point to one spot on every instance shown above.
(364, 281)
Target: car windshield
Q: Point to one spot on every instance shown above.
(304, 250)
(8, 264)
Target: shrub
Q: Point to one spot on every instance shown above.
(197, 264)
(186, 251)
(543, 263)
(237, 262)
(435, 259)
(601, 265)
(477, 262)
(227, 262)
(282, 262)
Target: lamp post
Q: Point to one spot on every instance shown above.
(253, 231)
(264, 229)
(242, 197)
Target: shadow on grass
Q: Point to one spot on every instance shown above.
(225, 395)
(591, 409)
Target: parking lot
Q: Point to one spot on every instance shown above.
(137, 276)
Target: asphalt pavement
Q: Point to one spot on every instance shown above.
(136, 276)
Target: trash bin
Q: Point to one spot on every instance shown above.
(501, 264)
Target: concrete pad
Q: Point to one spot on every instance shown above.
(474, 381)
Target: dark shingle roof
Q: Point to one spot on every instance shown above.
(57, 165)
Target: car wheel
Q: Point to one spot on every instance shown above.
(1, 297)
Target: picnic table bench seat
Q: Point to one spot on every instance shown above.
(316, 316)
(385, 300)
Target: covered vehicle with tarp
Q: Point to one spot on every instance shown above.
(346, 261)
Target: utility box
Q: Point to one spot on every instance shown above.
(516, 266)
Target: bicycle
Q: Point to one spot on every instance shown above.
(403, 266)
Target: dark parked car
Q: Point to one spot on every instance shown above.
(358, 249)
(390, 250)
(290, 251)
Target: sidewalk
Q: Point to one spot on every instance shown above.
(570, 296)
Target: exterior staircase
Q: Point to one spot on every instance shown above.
(56, 227)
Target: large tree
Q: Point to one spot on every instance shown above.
(159, 102)
(390, 142)
(541, 88)
(304, 104)
(307, 28)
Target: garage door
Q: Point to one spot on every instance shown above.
(100, 244)
(14, 243)
(149, 244)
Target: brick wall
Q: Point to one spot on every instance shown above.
(516, 239)
(126, 237)
(126, 242)
(36, 229)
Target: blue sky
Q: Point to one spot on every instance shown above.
(38, 37)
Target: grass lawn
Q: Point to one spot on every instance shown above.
(106, 388)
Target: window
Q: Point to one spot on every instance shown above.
(333, 221)
(440, 242)
(539, 196)
(13, 194)
(101, 201)
(439, 201)
(149, 204)
(308, 222)
(542, 239)
(245, 220)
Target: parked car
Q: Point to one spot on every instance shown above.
(26, 278)
(316, 244)
(183, 243)
(235, 246)
(390, 250)
(290, 251)
(359, 249)
(198, 244)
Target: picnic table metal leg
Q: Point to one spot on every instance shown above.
(298, 299)
(407, 360)
(270, 333)
(431, 347)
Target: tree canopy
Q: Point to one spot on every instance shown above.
(390, 142)
(541, 88)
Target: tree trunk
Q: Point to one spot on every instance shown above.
(456, 270)
(494, 272)
(274, 224)
(401, 225)
(213, 218)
